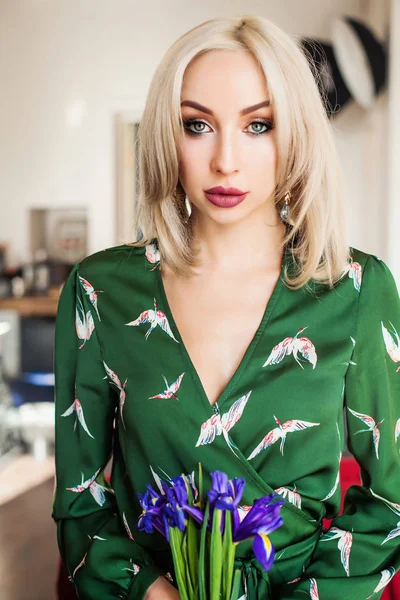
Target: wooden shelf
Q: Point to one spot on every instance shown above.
(32, 306)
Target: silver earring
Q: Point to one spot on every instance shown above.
(188, 207)
(285, 210)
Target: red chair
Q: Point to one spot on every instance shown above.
(349, 475)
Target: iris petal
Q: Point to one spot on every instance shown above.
(262, 518)
(263, 551)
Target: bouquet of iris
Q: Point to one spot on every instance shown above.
(204, 530)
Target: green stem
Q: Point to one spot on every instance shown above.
(186, 562)
(200, 490)
(193, 539)
(228, 552)
(202, 563)
(216, 556)
(175, 541)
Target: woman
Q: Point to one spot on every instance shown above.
(244, 302)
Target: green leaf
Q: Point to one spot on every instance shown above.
(187, 568)
(228, 552)
(216, 556)
(176, 539)
(231, 560)
(200, 490)
(193, 541)
(203, 592)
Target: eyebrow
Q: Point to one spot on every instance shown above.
(242, 112)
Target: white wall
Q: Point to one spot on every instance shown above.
(68, 66)
(393, 249)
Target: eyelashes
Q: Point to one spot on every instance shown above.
(268, 124)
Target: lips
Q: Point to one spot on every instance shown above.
(229, 191)
(225, 200)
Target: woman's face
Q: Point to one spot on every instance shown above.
(221, 146)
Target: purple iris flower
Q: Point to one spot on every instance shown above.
(169, 509)
(225, 494)
(150, 516)
(263, 517)
(179, 491)
(261, 520)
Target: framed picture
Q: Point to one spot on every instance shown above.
(127, 169)
(68, 242)
(61, 232)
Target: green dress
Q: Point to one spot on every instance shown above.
(125, 386)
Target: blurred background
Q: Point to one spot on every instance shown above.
(74, 77)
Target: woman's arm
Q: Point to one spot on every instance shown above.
(361, 550)
(101, 558)
(162, 590)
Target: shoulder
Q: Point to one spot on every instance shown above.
(376, 278)
(375, 271)
(360, 256)
(112, 261)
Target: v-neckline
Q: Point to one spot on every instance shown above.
(228, 389)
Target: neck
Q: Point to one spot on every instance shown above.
(253, 244)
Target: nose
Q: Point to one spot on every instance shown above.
(225, 158)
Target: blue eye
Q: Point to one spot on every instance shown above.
(264, 122)
(267, 123)
(188, 122)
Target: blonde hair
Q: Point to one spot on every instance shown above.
(308, 164)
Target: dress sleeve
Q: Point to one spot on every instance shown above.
(101, 558)
(360, 552)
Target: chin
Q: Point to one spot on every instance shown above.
(226, 216)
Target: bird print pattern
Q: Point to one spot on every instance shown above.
(386, 577)
(154, 317)
(171, 390)
(392, 343)
(96, 489)
(92, 293)
(293, 345)
(217, 424)
(394, 507)
(84, 323)
(76, 408)
(152, 254)
(344, 545)
(354, 271)
(115, 380)
(279, 433)
(314, 595)
(372, 427)
(292, 495)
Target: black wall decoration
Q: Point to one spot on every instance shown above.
(352, 67)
